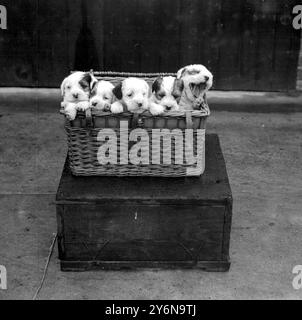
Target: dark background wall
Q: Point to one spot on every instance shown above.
(247, 44)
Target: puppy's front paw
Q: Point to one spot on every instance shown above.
(70, 111)
(83, 105)
(156, 109)
(107, 107)
(117, 107)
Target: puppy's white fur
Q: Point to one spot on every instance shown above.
(133, 93)
(102, 96)
(164, 94)
(75, 90)
(197, 81)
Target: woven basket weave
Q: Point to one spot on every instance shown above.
(83, 142)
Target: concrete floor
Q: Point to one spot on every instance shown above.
(263, 154)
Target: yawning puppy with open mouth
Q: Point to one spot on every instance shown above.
(166, 92)
(197, 80)
(132, 95)
(76, 90)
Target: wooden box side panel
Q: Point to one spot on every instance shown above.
(141, 233)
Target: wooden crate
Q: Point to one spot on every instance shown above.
(133, 222)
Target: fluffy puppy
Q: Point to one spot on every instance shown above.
(166, 92)
(132, 95)
(75, 90)
(102, 96)
(197, 80)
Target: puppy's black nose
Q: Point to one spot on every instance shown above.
(75, 95)
(139, 104)
(168, 107)
(206, 78)
(94, 103)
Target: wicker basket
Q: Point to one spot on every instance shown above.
(87, 140)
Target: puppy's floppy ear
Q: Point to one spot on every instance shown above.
(88, 80)
(117, 91)
(93, 88)
(85, 81)
(181, 72)
(156, 85)
(178, 86)
(93, 81)
(63, 87)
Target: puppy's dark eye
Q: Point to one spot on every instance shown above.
(161, 95)
(130, 95)
(68, 87)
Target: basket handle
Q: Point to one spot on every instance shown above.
(189, 120)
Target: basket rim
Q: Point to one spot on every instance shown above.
(129, 74)
(147, 114)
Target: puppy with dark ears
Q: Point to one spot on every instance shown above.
(166, 92)
(132, 95)
(76, 90)
(197, 81)
(102, 96)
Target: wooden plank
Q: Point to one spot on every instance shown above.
(86, 54)
(247, 45)
(74, 24)
(120, 36)
(265, 14)
(188, 33)
(213, 185)
(210, 42)
(169, 12)
(18, 51)
(150, 36)
(286, 44)
(52, 43)
(96, 13)
(229, 56)
(198, 32)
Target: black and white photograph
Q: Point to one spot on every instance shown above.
(151, 150)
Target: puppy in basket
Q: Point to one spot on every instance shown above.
(102, 96)
(197, 80)
(133, 95)
(76, 90)
(166, 92)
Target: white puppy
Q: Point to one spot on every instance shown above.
(166, 92)
(132, 95)
(102, 96)
(75, 90)
(197, 81)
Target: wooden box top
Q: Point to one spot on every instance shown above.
(211, 188)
